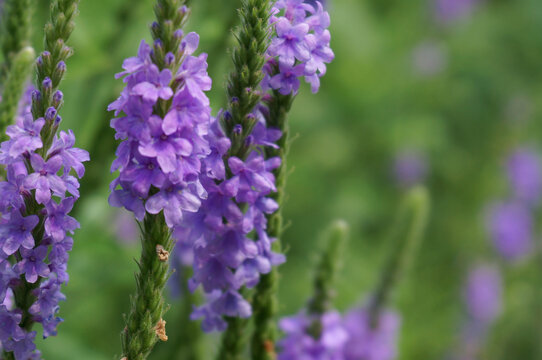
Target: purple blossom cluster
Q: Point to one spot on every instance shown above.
(37, 195)
(451, 10)
(299, 344)
(299, 47)
(350, 337)
(510, 223)
(231, 248)
(159, 158)
(409, 168)
(483, 300)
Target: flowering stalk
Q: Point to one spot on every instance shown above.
(37, 196)
(16, 19)
(18, 57)
(299, 48)
(326, 271)
(164, 117)
(407, 235)
(14, 87)
(317, 332)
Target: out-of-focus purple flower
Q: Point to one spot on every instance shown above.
(126, 227)
(483, 293)
(409, 168)
(299, 344)
(525, 175)
(300, 47)
(510, 226)
(429, 59)
(452, 10)
(371, 343)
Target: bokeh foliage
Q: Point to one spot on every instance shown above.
(480, 98)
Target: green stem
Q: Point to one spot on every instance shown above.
(265, 300)
(406, 238)
(147, 305)
(189, 333)
(244, 81)
(233, 340)
(15, 31)
(14, 88)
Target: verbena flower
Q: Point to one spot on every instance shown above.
(452, 10)
(159, 159)
(409, 168)
(300, 46)
(510, 226)
(483, 294)
(228, 233)
(299, 344)
(371, 341)
(525, 175)
(37, 195)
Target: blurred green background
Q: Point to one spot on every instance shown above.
(462, 92)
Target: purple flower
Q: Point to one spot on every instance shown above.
(17, 232)
(371, 343)
(510, 226)
(299, 344)
(483, 293)
(33, 264)
(289, 44)
(58, 222)
(287, 80)
(45, 178)
(409, 168)
(153, 91)
(451, 10)
(72, 158)
(9, 325)
(159, 160)
(23, 139)
(300, 47)
(173, 200)
(525, 175)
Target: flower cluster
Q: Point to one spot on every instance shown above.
(351, 337)
(510, 223)
(37, 195)
(163, 124)
(228, 233)
(299, 344)
(409, 168)
(299, 47)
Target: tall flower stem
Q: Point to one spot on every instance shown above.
(144, 323)
(244, 81)
(406, 238)
(142, 329)
(14, 87)
(265, 299)
(15, 31)
(325, 275)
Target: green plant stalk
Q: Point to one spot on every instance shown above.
(16, 31)
(144, 323)
(244, 81)
(325, 276)
(406, 238)
(57, 32)
(147, 305)
(189, 334)
(265, 299)
(244, 94)
(233, 340)
(14, 88)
